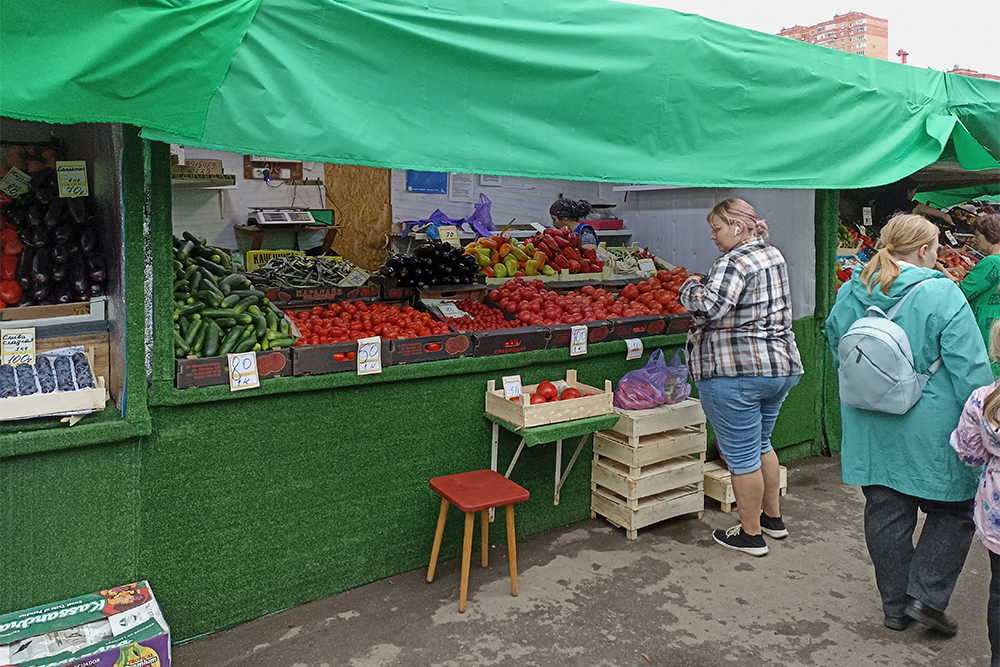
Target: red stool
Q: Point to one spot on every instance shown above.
(471, 492)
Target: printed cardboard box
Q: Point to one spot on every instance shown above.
(212, 371)
(118, 627)
(560, 335)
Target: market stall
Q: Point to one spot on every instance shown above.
(235, 504)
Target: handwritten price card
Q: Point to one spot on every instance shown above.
(72, 175)
(449, 234)
(243, 371)
(634, 346)
(578, 340)
(18, 346)
(370, 355)
(449, 309)
(511, 386)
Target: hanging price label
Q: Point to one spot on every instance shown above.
(449, 309)
(634, 346)
(370, 355)
(511, 386)
(578, 340)
(866, 214)
(15, 183)
(243, 371)
(449, 234)
(18, 346)
(951, 237)
(72, 177)
(357, 278)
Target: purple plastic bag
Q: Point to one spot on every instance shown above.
(675, 383)
(481, 220)
(642, 388)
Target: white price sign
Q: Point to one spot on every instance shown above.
(357, 278)
(449, 234)
(243, 371)
(512, 386)
(370, 355)
(647, 265)
(866, 214)
(578, 340)
(72, 176)
(634, 346)
(18, 346)
(951, 237)
(15, 183)
(449, 309)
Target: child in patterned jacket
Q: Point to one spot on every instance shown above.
(977, 441)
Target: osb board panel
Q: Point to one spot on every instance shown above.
(100, 343)
(360, 198)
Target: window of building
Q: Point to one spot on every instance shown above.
(860, 52)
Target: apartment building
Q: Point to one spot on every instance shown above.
(853, 32)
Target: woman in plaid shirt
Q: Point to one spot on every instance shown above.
(744, 361)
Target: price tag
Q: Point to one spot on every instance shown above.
(15, 183)
(18, 346)
(951, 237)
(243, 371)
(448, 309)
(538, 227)
(578, 340)
(647, 265)
(634, 348)
(370, 356)
(357, 278)
(511, 386)
(449, 234)
(72, 177)
(866, 214)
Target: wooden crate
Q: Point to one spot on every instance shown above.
(636, 423)
(651, 448)
(524, 415)
(634, 484)
(719, 485)
(44, 405)
(99, 343)
(649, 510)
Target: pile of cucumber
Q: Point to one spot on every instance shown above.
(215, 310)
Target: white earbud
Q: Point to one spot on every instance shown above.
(737, 230)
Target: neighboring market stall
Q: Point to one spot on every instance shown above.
(238, 504)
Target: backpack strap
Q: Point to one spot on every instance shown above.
(892, 313)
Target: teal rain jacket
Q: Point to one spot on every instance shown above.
(910, 453)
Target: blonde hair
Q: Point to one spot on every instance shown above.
(991, 406)
(738, 212)
(902, 235)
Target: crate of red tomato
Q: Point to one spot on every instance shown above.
(550, 402)
(650, 307)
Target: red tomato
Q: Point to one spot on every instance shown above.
(570, 393)
(547, 390)
(537, 398)
(644, 286)
(432, 347)
(339, 356)
(316, 310)
(630, 292)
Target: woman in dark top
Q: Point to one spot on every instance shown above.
(567, 213)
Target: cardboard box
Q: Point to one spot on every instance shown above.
(622, 328)
(509, 341)
(212, 371)
(431, 348)
(560, 334)
(320, 359)
(118, 626)
(284, 298)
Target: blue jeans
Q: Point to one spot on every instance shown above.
(742, 411)
(993, 609)
(927, 572)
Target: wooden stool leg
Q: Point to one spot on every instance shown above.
(511, 550)
(486, 535)
(466, 559)
(442, 516)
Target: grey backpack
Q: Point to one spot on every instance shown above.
(876, 364)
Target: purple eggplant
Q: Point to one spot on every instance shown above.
(77, 273)
(77, 207)
(55, 213)
(40, 268)
(60, 253)
(23, 274)
(95, 268)
(96, 289)
(62, 293)
(88, 240)
(58, 271)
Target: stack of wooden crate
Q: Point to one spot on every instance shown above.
(650, 466)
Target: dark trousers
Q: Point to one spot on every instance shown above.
(993, 609)
(927, 572)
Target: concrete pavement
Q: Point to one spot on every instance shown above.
(590, 597)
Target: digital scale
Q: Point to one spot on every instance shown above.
(266, 217)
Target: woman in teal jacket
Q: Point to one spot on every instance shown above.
(904, 462)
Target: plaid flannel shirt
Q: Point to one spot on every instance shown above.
(742, 316)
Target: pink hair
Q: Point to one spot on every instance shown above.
(738, 212)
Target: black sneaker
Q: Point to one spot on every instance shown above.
(735, 538)
(773, 527)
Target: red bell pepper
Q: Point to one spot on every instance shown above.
(8, 267)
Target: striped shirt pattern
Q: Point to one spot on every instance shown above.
(742, 316)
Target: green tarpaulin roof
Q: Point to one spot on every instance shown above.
(574, 89)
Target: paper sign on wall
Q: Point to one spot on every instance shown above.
(18, 346)
(243, 371)
(578, 340)
(72, 177)
(866, 213)
(634, 346)
(15, 183)
(511, 386)
(370, 355)
(449, 234)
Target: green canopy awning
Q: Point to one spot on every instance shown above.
(569, 89)
(954, 196)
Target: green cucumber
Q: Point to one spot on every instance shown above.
(254, 310)
(244, 293)
(185, 250)
(212, 339)
(183, 323)
(180, 343)
(244, 318)
(218, 312)
(225, 322)
(178, 266)
(282, 342)
(231, 300)
(189, 309)
(210, 298)
(195, 282)
(217, 269)
(283, 325)
(245, 345)
(202, 251)
(192, 332)
(260, 324)
(265, 344)
(224, 259)
(230, 340)
(199, 340)
(272, 321)
(182, 285)
(244, 304)
(188, 236)
(232, 281)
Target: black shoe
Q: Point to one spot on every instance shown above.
(735, 538)
(897, 623)
(932, 618)
(773, 527)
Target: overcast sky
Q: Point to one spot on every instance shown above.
(936, 34)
